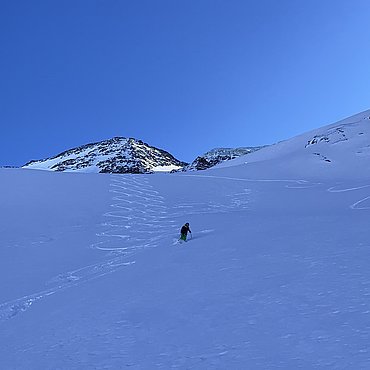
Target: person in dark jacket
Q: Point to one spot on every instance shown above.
(184, 232)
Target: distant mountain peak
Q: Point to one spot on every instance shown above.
(218, 155)
(115, 155)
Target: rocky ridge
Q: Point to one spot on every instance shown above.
(218, 155)
(116, 155)
(128, 155)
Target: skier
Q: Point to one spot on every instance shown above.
(184, 232)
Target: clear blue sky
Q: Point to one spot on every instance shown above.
(182, 75)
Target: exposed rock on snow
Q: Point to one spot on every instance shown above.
(218, 155)
(117, 155)
(122, 155)
(341, 149)
(333, 136)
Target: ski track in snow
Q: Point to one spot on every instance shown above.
(358, 205)
(303, 184)
(297, 184)
(140, 219)
(233, 201)
(61, 282)
(361, 201)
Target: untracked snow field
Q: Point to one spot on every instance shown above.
(276, 275)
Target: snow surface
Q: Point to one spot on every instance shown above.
(166, 168)
(341, 150)
(276, 274)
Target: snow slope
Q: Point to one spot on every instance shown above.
(338, 150)
(275, 277)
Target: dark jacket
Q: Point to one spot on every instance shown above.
(185, 229)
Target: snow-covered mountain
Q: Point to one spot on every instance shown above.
(128, 155)
(117, 155)
(275, 276)
(341, 149)
(218, 155)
